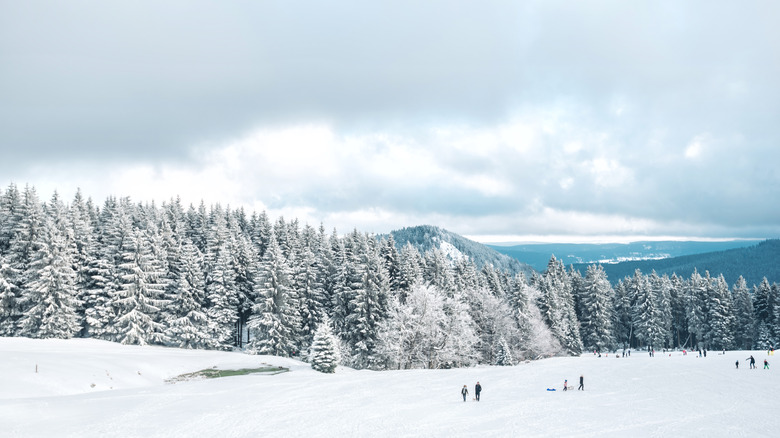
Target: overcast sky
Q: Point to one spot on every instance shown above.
(499, 120)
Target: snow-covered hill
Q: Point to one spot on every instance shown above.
(666, 395)
(455, 246)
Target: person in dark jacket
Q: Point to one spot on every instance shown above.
(752, 361)
(582, 383)
(465, 392)
(477, 390)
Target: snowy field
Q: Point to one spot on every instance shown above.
(89, 388)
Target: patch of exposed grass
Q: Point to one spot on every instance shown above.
(213, 373)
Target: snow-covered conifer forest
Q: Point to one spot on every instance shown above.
(210, 277)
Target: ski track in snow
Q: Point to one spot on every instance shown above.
(638, 396)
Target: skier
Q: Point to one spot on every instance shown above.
(752, 361)
(465, 392)
(582, 384)
(477, 390)
(565, 385)
(737, 363)
(766, 365)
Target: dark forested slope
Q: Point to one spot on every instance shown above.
(754, 263)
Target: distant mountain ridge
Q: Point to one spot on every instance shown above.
(426, 237)
(537, 255)
(753, 263)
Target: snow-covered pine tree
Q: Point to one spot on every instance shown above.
(679, 320)
(261, 230)
(556, 302)
(744, 330)
(493, 281)
(244, 264)
(775, 326)
(466, 275)
(9, 308)
(338, 286)
(198, 226)
(80, 222)
(275, 317)
(503, 354)
(647, 322)
(721, 315)
(763, 306)
(368, 306)
(11, 213)
(188, 325)
(140, 298)
(696, 307)
(324, 349)
(660, 288)
(26, 237)
(597, 310)
(221, 295)
(307, 282)
(438, 270)
(113, 227)
(49, 292)
(390, 256)
(409, 269)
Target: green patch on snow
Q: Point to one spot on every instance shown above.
(213, 373)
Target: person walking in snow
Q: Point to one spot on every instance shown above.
(752, 361)
(737, 364)
(477, 390)
(582, 384)
(465, 392)
(565, 385)
(766, 365)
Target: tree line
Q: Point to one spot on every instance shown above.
(219, 278)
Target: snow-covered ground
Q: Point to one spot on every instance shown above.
(89, 388)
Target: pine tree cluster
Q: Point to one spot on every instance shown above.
(217, 278)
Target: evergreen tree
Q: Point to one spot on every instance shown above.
(307, 281)
(8, 304)
(763, 306)
(623, 320)
(743, 315)
(222, 299)
(660, 289)
(392, 265)
(275, 317)
(721, 315)
(438, 271)
(409, 269)
(139, 300)
(49, 293)
(324, 349)
(25, 242)
(85, 250)
(368, 306)
(503, 354)
(556, 302)
(677, 299)
(102, 283)
(188, 324)
(596, 314)
(696, 300)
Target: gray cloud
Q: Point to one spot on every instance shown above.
(562, 117)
